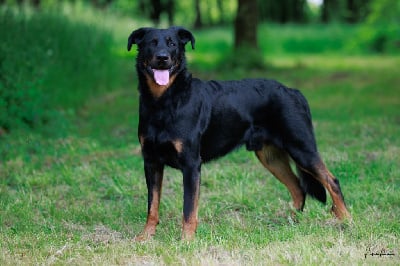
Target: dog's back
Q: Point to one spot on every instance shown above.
(251, 112)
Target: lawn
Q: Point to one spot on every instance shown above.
(79, 196)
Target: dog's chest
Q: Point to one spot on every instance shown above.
(162, 137)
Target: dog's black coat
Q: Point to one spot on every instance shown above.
(191, 121)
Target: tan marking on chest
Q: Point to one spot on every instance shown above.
(178, 145)
(158, 90)
(141, 140)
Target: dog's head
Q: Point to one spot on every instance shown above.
(161, 52)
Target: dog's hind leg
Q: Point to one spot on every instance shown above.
(277, 162)
(310, 162)
(328, 180)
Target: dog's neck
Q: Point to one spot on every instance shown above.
(157, 90)
(149, 88)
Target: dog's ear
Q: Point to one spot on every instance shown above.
(136, 37)
(185, 36)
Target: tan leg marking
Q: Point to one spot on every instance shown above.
(328, 181)
(277, 162)
(189, 227)
(152, 218)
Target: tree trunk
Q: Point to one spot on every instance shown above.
(220, 6)
(170, 9)
(351, 12)
(246, 24)
(299, 14)
(198, 23)
(36, 3)
(330, 10)
(155, 14)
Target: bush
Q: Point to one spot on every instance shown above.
(381, 33)
(19, 75)
(48, 62)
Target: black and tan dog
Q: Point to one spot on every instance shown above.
(185, 122)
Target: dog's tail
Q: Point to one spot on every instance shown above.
(312, 186)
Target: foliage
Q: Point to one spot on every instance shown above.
(215, 47)
(42, 56)
(381, 33)
(348, 11)
(283, 11)
(20, 73)
(313, 39)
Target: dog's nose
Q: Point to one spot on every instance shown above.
(162, 57)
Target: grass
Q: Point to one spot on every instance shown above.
(80, 198)
(63, 54)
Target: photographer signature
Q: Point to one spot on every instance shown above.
(383, 252)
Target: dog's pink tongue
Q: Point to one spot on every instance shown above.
(161, 76)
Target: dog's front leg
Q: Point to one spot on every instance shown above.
(191, 191)
(154, 177)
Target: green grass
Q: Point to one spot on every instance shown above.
(80, 198)
(50, 61)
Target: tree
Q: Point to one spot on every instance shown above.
(330, 10)
(246, 51)
(283, 11)
(246, 24)
(299, 11)
(101, 3)
(34, 3)
(356, 10)
(380, 32)
(154, 8)
(220, 6)
(155, 14)
(349, 11)
(198, 23)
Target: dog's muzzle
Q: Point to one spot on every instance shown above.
(161, 67)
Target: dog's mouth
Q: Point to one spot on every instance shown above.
(161, 76)
(161, 71)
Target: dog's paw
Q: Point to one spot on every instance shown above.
(143, 237)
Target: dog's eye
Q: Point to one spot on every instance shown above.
(154, 42)
(170, 43)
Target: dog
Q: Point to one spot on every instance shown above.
(185, 122)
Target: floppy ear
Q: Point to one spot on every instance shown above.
(136, 37)
(185, 36)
